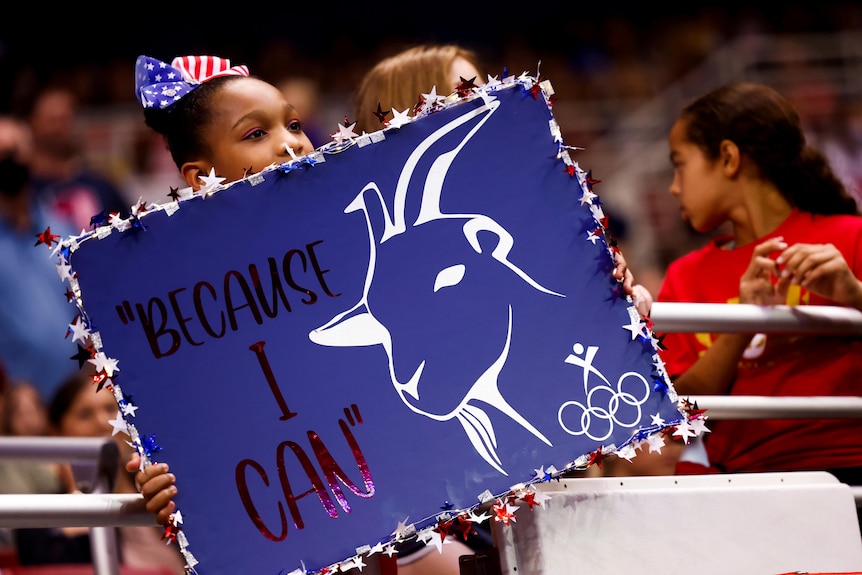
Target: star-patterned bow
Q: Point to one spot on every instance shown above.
(159, 85)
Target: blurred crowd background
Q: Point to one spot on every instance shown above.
(621, 73)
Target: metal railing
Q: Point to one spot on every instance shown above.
(99, 510)
(749, 318)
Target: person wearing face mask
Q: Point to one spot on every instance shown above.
(33, 344)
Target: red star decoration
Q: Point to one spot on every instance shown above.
(502, 513)
(418, 107)
(174, 194)
(381, 115)
(597, 457)
(692, 409)
(530, 499)
(570, 170)
(70, 295)
(649, 323)
(46, 238)
(443, 528)
(141, 208)
(535, 90)
(463, 526)
(591, 182)
(171, 532)
(99, 379)
(466, 86)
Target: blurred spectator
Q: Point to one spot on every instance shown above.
(60, 176)
(25, 413)
(22, 412)
(843, 146)
(35, 312)
(79, 410)
(153, 173)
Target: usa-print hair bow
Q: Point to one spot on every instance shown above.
(159, 85)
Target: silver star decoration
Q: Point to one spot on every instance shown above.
(210, 182)
(118, 425)
(104, 363)
(399, 118)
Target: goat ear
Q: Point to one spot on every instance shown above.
(358, 328)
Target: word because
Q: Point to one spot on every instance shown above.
(196, 309)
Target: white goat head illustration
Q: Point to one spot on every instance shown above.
(446, 314)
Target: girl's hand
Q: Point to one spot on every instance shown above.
(642, 299)
(822, 270)
(759, 284)
(157, 487)
(640, 295)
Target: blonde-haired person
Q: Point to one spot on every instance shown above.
(398, 81)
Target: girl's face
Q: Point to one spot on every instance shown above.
(89, 414)
(698, 182)
(252, 127)
(27, 415)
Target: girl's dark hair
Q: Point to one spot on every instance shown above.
(766, 128)
(183, 124)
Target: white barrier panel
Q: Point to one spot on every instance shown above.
(757, 524)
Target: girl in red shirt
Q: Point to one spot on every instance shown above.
(740, 157)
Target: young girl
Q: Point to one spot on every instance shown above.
(216, 118)
(740, 156)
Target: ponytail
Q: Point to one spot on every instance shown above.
(809, 184)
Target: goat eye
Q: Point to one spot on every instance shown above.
(449, 276)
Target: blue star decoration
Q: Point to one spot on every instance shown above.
(659, 385)
(150, 446)
(137, 224)
(99, 219)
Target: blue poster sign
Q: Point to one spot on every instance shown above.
(356, 346)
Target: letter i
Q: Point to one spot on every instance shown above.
(257, 348)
